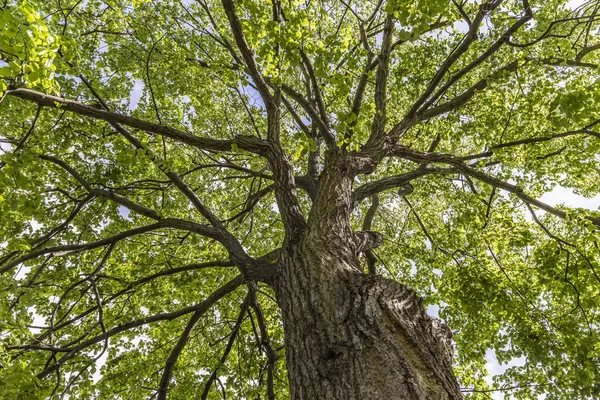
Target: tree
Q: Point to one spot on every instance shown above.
(252, 199)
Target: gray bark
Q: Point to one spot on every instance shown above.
(350, 335)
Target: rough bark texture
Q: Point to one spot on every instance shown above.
(350, 335)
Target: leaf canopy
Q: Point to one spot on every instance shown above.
(137, 169)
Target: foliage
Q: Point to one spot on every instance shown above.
(107, 222)
(28, 48)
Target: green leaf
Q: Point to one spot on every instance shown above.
(5, 72)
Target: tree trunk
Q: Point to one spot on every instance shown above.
(350, 335)
(354, 336)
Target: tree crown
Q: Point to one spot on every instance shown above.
(158, 155)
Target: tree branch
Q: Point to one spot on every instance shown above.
(367, 222)
(391, 182)
(102, 192)
(517, 191)
(247, 143)
(163, 387)
(457, 163)
(228, 347)
(78, 248)
(469, 38)
(202, 307)
(237, 254)
(379, 119)
(265, 340)
(326, 128)
(491, 50)
(248, 55)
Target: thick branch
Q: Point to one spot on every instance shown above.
(247, 54)
(312, 113)
(378, 127)
(468, 94)
(491, 50)
(285, 190)
(367, 240)
(391, 182)
(469, 38)
(247, 143)
(367, 222)
(326, 129)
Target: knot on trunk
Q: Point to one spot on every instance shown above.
(332, 361)
(364, 164)
(367, 240)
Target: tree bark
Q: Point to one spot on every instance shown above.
(350, 335)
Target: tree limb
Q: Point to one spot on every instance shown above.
(247, 143)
